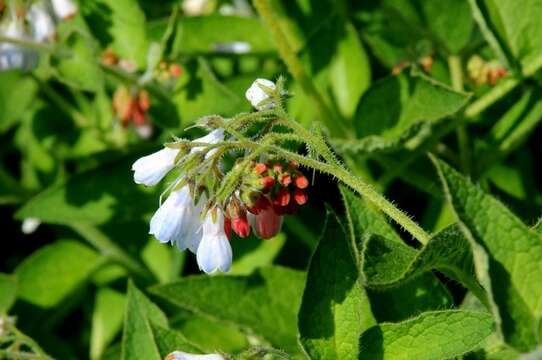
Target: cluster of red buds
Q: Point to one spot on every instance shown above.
(426, 63)
(167, 71)
(131, 106)
(281, 189)
(483, 72)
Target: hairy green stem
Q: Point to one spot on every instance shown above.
(296, 67)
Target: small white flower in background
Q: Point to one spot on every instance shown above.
(197, 7)
(150, 169)
(30, 225)
(65, 9)
(41, 22)
(144, 131)
(13, 56)
(236, 47)
(177, 220)
(214, 251)
(180, 355)
(256, 95)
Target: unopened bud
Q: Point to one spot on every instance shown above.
(285, 179)
(260, 168)
(241, 226)
(282, 197)
(301, 181)
(268, 182)
(300, 196)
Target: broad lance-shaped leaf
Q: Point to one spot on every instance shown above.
(514, 255)
(54, 271)
(8, 292)
(335, 308)
(138, 337)
(388, 263)
(404, 299)
(169, 340)
(266, 302)
(432, 335)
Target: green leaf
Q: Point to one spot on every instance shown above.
(432, 335)
(169, 340)
(8, 292)
(251, 254)
(80, 69)
(96, 196)
(335, 308)
(17, 91)
(200, 93)
(205, 34)
(450, 21)
(120, 24)
(393, 105)
(265, 302)
(388, 263)
(54, 271)
(107, 318)
(138, 337)
(514, 250)
(349, 71)
(517, 25)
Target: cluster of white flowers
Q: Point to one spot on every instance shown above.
(41, 17)
(177, 220)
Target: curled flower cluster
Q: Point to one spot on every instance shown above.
(195, 217)
(482, 72)
(37, 23)
(131, 106)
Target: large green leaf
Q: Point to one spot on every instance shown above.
(432, 335)
(388, 263)
(119, 24)
(335, 308)
(265, 302)
(169, 340)
(207, 34)
(8, 292)
(96, 196)
(17, 92)
(514, 250)
(349, 71)
(517, 25)
(107, 319)
(252, 253)
(54, 271)
(138, 337)
(393, 105)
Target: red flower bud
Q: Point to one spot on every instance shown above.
(268, 182)
(227, 227)
(267, 223)
(300, 196)
(293, 165)
(277, 168)
(282, 197)
(285, 179)
(261, 204)
(260, 168)
(301, 181)
(241, 226)
(175, 70)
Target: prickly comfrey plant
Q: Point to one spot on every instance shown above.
(265, 182)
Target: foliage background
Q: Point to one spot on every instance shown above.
(358, 69)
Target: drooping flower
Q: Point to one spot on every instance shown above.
(41, 22)
(214, 251)
(180, 355)
(65, 9)
(257, 96)
(177, 220)
(150, 169)
(266, 223)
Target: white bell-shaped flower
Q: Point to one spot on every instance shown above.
(180, 355)
(30, 225)
(65, 9)
(256, 94)
(150, 169)
(41, 22)
(214, 251)
(177, 220)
